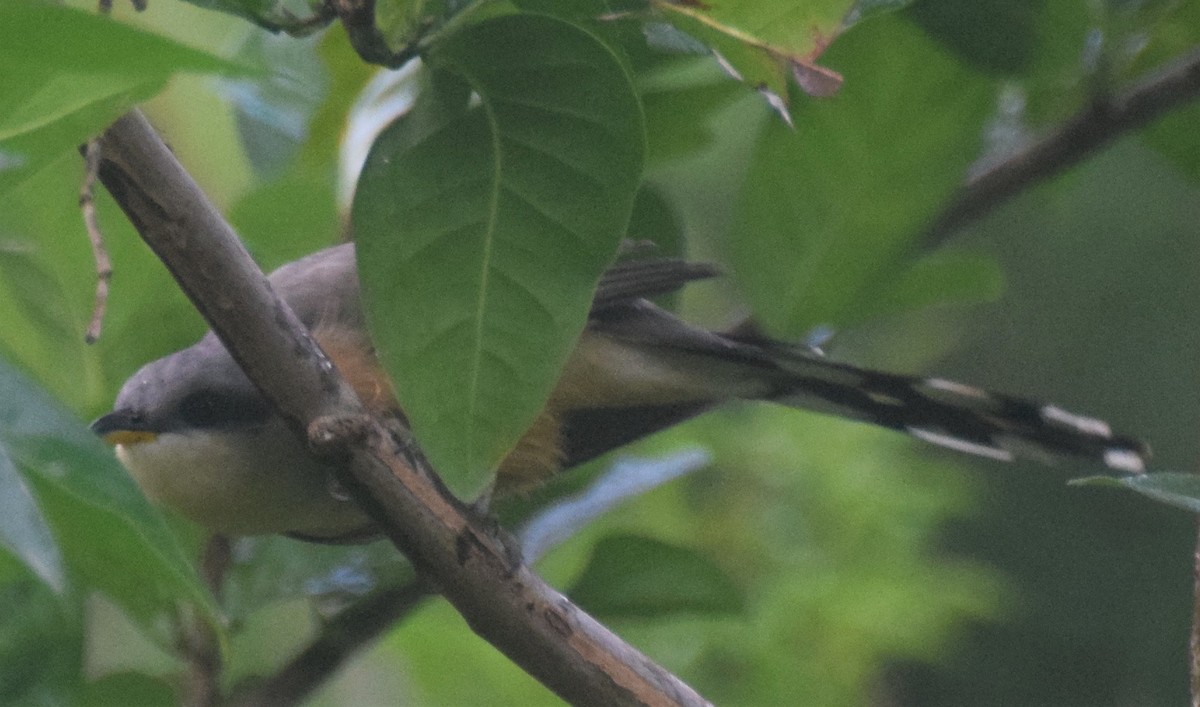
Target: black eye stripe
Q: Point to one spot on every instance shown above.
(206, 409)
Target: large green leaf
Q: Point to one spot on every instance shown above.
(105, 529)
(68, 74)
(484, 226)
(830, 209)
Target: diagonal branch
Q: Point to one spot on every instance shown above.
(471, 562)
(345, 634)
(1104, 120)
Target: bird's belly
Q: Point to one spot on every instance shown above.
(243, 483)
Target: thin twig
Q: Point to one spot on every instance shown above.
(1104, 120)
(338, 641)
(87, 204)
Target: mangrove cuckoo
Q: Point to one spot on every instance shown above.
(198, 436)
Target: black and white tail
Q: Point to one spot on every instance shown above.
(954, 415)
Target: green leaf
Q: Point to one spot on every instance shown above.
(1175, 134)
(24, 532)
(831, 209)
(655, 221)
(945, 276)
(68, 74)
(630, 576)
(767, 42)
(680, 101)
(110, 536)
(483, 228)
(1175, 137)
(41, 644)
(1170, 487)
(129, 688)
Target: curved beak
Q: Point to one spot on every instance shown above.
(122, 427)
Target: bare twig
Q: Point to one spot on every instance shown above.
(470, 561)
(1102, 121)
(87, 204)
(339, 640)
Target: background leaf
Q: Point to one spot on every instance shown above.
(24, 532)
(832, 208)
(41, 643)
(632, 576)
(483, 229)
(110, 536)
(70, 73)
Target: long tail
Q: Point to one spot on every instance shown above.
(952, 415)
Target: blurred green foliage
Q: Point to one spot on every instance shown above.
(859, 569)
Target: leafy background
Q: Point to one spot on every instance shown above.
(827, 563)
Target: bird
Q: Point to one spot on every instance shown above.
(198, 436)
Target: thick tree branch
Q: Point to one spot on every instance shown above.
(470, 562)
(1102, 121)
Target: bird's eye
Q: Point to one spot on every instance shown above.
(211, 408)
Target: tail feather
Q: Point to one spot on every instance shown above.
(955, 415)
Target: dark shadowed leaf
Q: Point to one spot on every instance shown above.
(994, 35)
